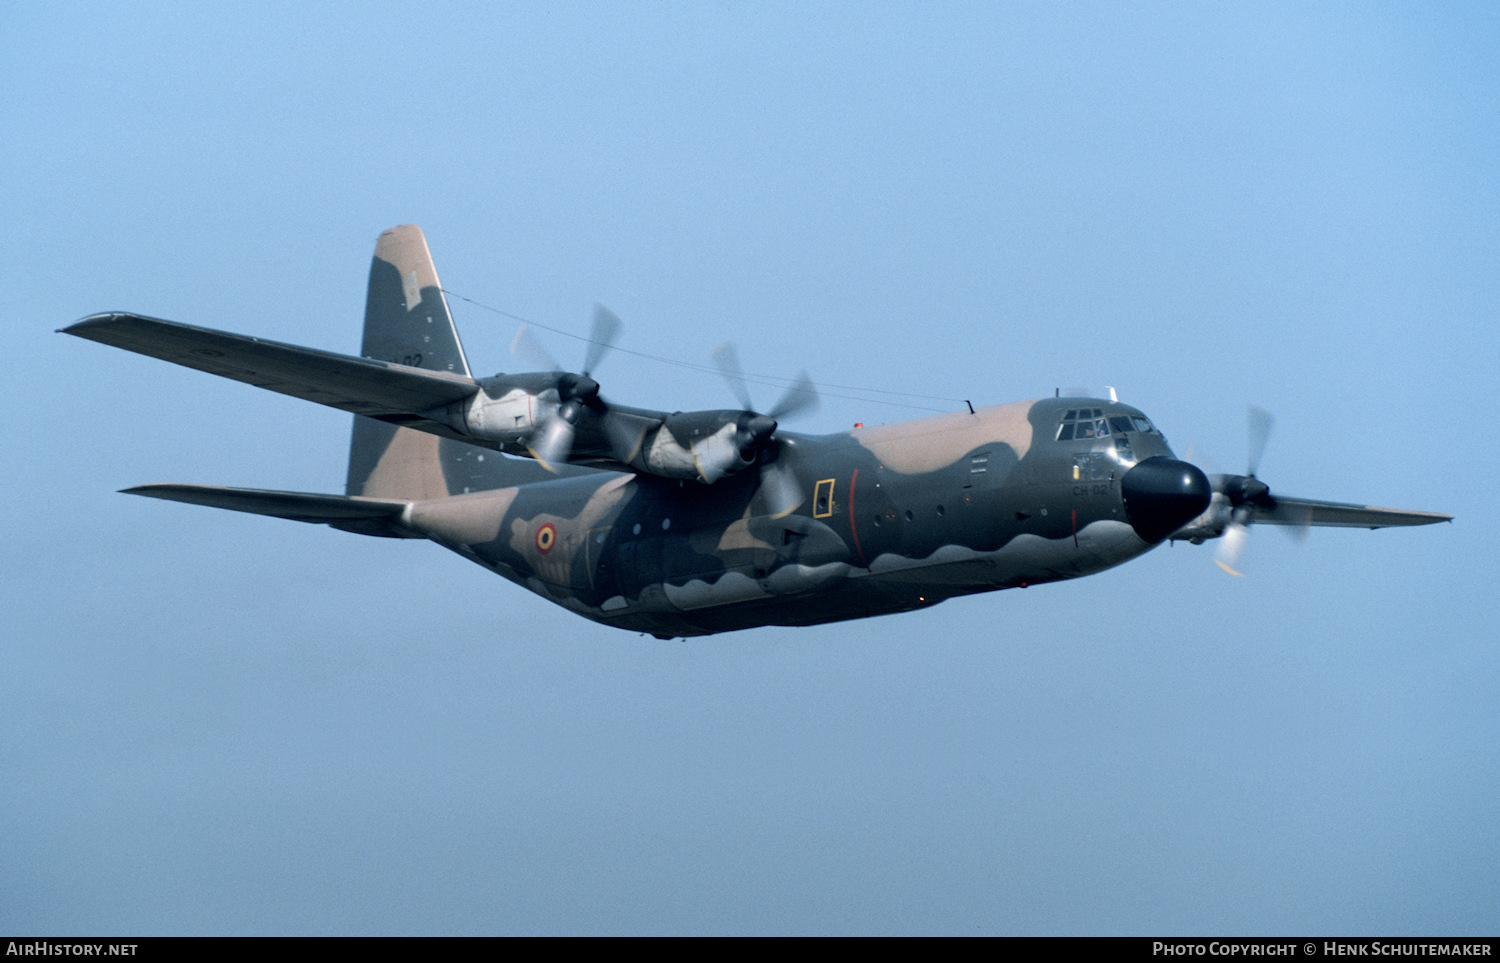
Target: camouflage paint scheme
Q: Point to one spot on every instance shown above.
(903, 524)
(885, 519)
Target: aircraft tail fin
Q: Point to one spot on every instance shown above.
(407, 321)
(406, 315)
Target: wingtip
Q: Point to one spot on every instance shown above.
(82, 325)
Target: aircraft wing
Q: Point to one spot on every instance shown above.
(367, 516)
(1299, 512)
(384, 390)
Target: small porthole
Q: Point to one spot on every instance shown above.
(909, 515)
(635, 529)
(666, 523)
(941, 512)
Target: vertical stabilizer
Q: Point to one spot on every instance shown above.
(406, 315)
(406, 322)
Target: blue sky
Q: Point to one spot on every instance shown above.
(213, 723)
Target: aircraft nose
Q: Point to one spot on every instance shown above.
(1163, 494)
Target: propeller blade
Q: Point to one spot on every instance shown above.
(551, 444)
(727, 357)
(1258, 432)
(799, 399)
(625, 435)
(1297, 532)
(780, 489)
(713, 457)
(1231, 545)
(530, 348)
(606, 330)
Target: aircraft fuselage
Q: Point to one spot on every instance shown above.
(893, 518)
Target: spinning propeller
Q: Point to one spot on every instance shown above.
(1245, 493)
(755, 433)
(552, 442)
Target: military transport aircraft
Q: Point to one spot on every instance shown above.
(690, 523)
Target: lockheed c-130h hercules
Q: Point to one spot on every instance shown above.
(690, 523)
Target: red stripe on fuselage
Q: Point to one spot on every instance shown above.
(852, 530)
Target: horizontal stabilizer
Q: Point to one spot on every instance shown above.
(365, 516)
(1305, 511)
(383, 390)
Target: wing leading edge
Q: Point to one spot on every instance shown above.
(382, 390)
(397, 394)
(1301, 512)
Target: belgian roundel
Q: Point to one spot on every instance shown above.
(546, 537)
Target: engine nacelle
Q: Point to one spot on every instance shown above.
(701, 445)
(510, 411)
(1210, 524)
(506, 409)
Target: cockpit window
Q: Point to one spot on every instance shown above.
(1083, 423)
(1086, 423)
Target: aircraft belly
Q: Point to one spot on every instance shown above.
(1024, 559)
(836, 592)
(728, 589)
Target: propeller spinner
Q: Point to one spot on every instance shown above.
(552, 442)
(755, 433)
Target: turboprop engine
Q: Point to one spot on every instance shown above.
(706, 445)
(549, 414)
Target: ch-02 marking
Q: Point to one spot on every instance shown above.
(696, 522)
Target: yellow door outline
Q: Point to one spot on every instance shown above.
(823, 498)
